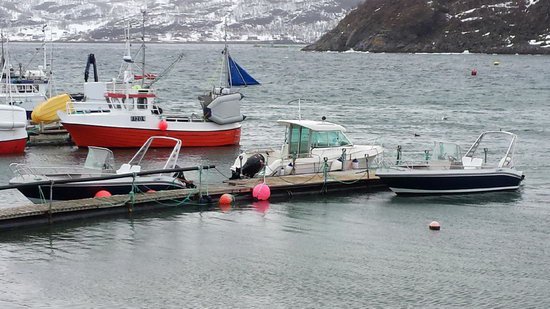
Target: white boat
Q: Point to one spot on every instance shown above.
(21, 86)
(13, 132)
(309, 147)
(123, 113)
(447, 174)
(99, 163)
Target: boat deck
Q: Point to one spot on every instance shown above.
(283, 186)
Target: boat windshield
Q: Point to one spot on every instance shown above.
(446, 151)
(324, 139)
(99, 159)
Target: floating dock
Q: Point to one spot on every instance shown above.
(52, 134)
(360, 181)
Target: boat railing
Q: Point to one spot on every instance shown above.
(193, 118)
(20, 169)
(19, 88)
(126, 88)
(88, 107)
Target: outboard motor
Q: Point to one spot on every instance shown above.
(253, 165)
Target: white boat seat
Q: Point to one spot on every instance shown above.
(471, 163)
(127, 168)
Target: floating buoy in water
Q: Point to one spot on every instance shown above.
(261, 192)
(474, 72)
(226, 199)
(102, 193)
(496, 62)
(434, 225)
(163, 125)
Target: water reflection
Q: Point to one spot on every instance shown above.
(493, 199)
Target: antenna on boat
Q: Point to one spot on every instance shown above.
(299, 100)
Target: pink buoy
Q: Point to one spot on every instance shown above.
(261, 192)
(434, 225)
(163, 125)
(103, 193)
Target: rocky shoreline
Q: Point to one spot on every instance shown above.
(442, 26)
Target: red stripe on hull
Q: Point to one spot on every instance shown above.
(13, 146)
(110, 137)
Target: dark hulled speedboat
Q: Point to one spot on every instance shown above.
(447, 175)
(32, 181)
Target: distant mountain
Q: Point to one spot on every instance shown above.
(483, 26)
(174, 20)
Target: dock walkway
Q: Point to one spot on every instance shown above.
(241, 189)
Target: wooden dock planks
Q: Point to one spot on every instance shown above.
(241, 188)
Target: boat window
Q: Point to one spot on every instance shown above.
(299, 140)
(142, 103)
(329, 139)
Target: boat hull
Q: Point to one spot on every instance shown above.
(72, 191)
(13, 146)
(130, 129)
(450, 183)
(117, 137)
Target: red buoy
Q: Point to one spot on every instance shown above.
(102, 193)
(434, 225)
(474, 72)
(163, 125)
(150, 191)
(226, 199)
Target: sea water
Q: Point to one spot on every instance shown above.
(355, 250)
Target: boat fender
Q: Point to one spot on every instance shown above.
(253, 165)
(163, 125)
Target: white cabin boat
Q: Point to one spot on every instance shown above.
(309, 147)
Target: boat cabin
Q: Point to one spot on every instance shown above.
(304, 135)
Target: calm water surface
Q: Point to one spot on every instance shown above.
(356, 250)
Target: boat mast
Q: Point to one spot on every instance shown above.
(2, 39)
(227, 76)
(44, 46)
(143, 13)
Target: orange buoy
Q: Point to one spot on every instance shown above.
(163, 125)
(102, 193)
(474, 72)
(150, 191)
(434, 225)
(226, 199)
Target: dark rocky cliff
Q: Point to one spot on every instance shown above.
(481, 26)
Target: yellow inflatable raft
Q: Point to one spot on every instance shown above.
(47, 111)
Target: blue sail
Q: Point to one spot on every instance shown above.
(238, 76)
